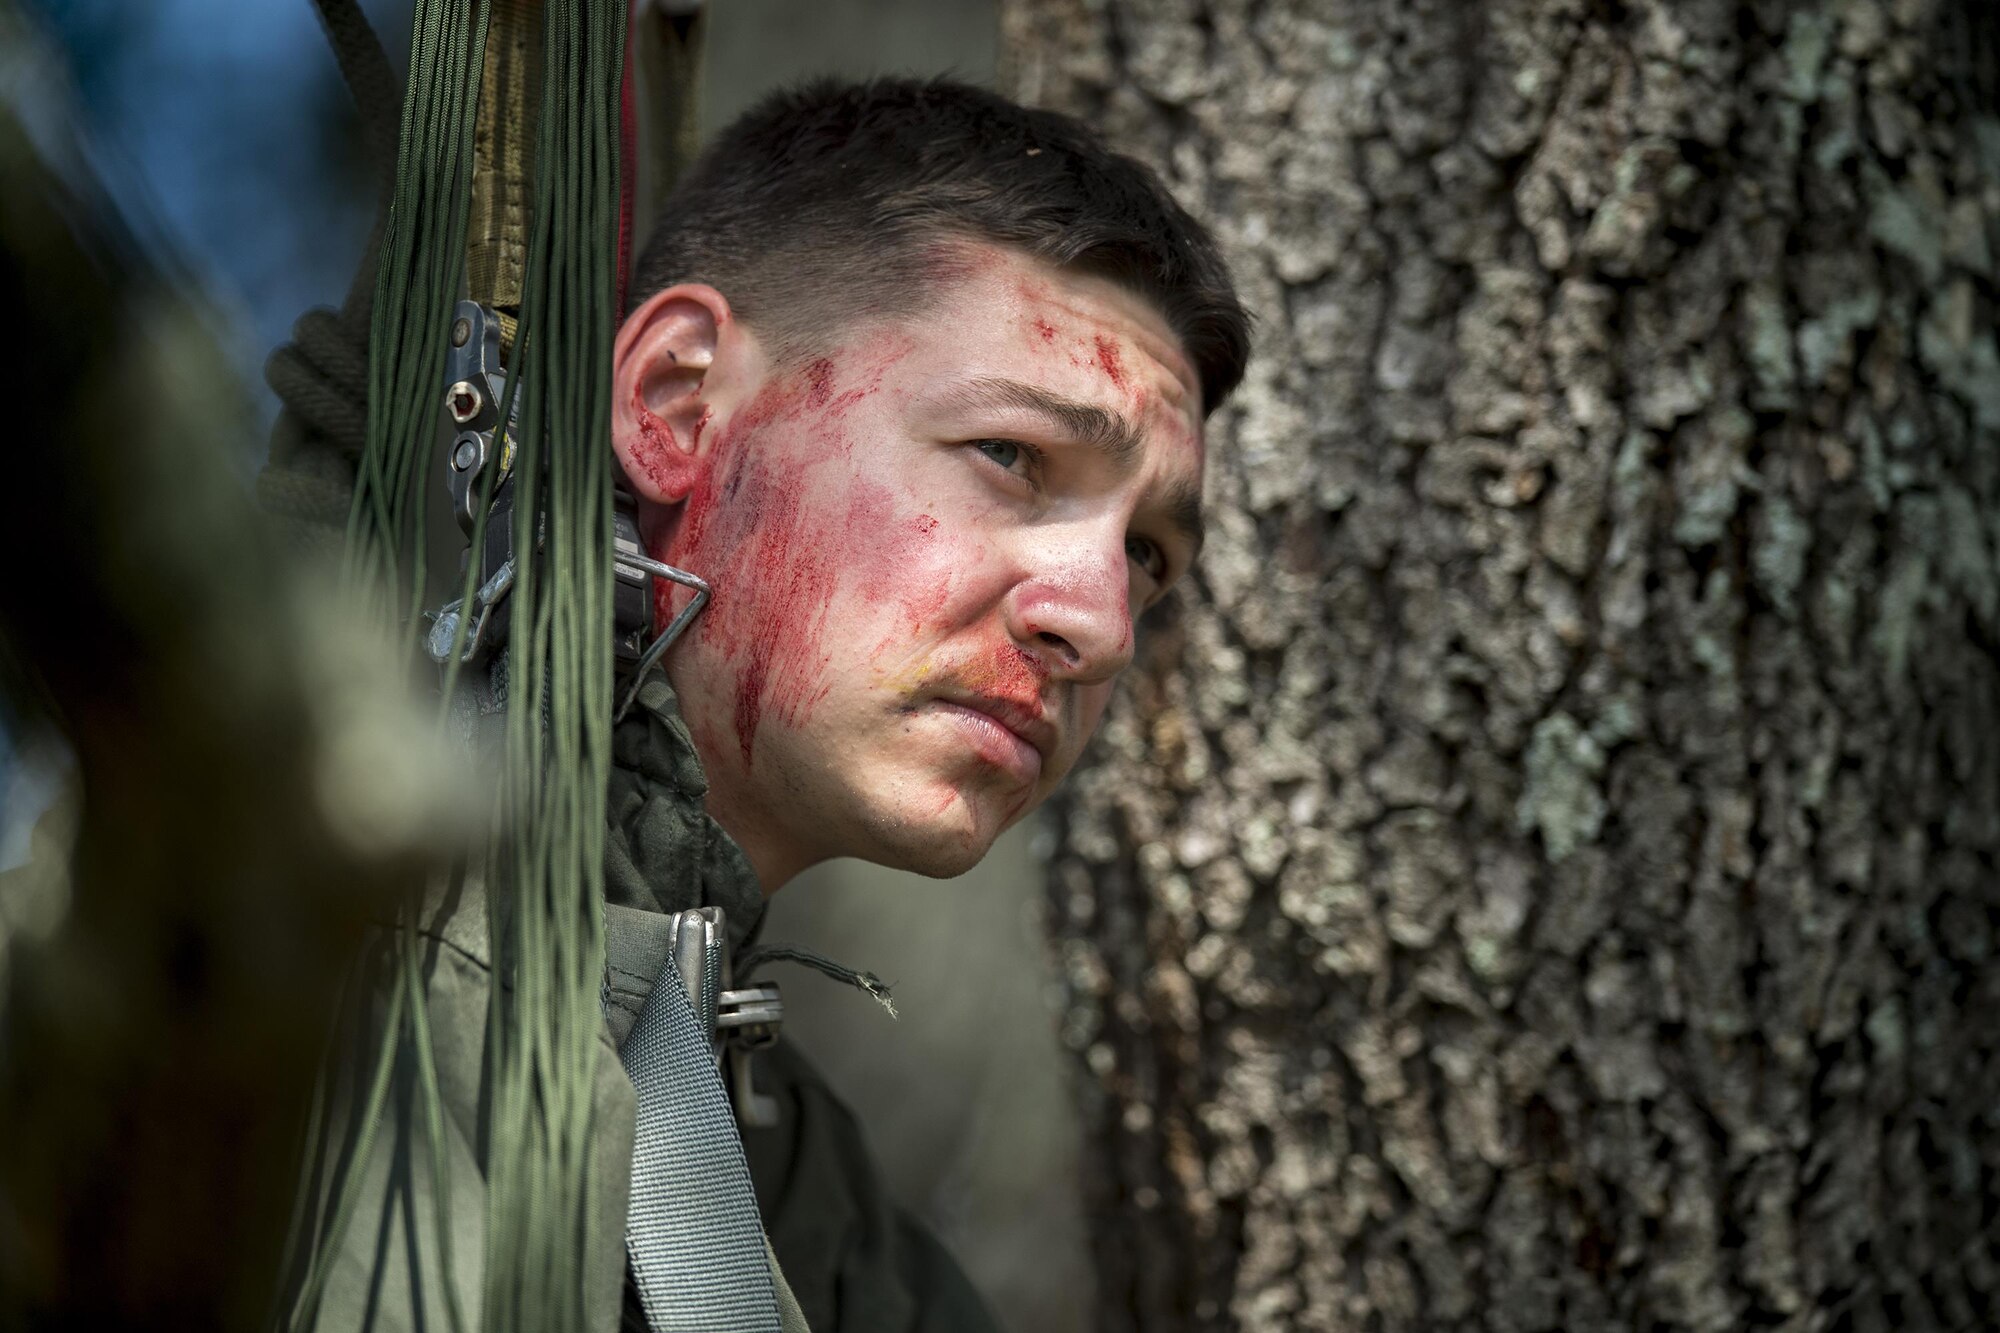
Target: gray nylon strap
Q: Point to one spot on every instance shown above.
(697, 1244)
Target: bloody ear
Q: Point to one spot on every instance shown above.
(659, 373)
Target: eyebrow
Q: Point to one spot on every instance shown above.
(1095, 428)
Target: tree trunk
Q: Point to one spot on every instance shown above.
(1542, 874)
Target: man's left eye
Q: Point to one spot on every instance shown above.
(1147, 554)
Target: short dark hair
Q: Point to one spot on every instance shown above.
(834, 196)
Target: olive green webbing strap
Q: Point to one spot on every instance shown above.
(496, 238)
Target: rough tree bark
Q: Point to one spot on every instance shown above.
(1543, 875)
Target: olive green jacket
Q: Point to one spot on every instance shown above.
(854, 1260)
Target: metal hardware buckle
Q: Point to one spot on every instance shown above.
(737, 1021)
(476, 388)
(635, 571)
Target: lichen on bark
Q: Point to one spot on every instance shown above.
(1542, 873)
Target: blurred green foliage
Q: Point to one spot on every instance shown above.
(250, 795)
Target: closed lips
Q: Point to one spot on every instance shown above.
(1030, 726)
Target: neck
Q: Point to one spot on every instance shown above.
(771, 855)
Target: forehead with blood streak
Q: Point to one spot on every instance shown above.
(1088, 330)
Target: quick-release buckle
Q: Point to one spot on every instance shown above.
(475, 389)
(737, 1021)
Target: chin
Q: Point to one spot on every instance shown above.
(942, 842)
(935, 862)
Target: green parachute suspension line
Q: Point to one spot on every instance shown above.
(550, 939)
(419, 272)
(419, 269)
(545, 858)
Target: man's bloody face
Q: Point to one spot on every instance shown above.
(928, 549)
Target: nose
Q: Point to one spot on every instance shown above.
(1073, 606)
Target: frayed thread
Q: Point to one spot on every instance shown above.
(866, 982)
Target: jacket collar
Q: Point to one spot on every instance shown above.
(662, 851)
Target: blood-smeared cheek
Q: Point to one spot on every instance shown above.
(819, 383)
(778, 525)
(929, 576)
(909, 575)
